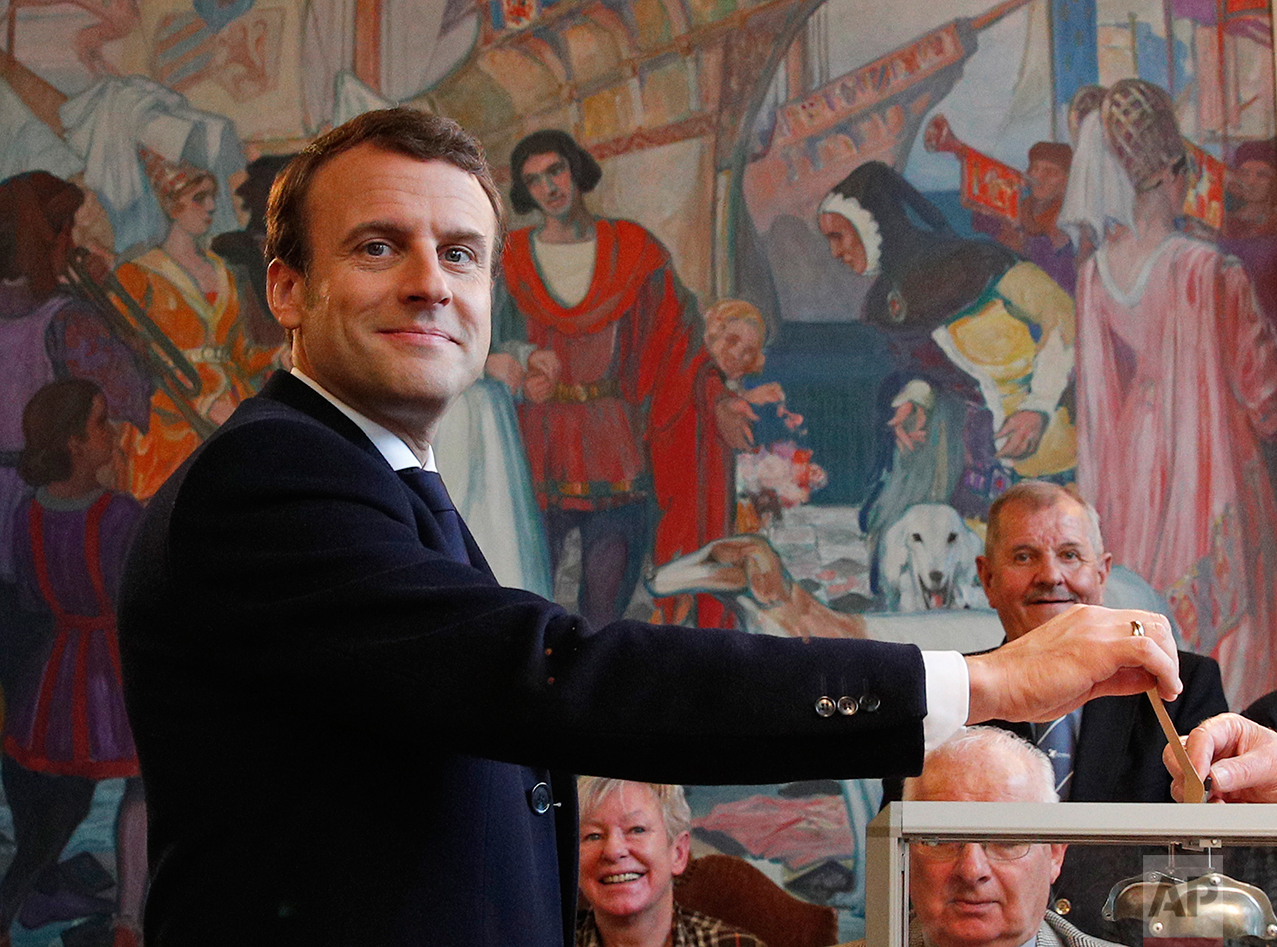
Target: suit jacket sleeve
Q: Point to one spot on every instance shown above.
(288, 565)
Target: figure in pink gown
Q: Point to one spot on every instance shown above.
(1176, 385)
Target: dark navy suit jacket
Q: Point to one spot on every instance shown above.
(340, 729)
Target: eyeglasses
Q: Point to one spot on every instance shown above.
(934, 851)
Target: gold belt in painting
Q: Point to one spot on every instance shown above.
(568, 488)
(580, 394)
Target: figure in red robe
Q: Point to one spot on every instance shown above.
(621, 404)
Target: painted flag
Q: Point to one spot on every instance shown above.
(990, 186)
(1205, 11)
(1075, 45)
(1205, 199)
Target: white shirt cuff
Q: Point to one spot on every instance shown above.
(948, 696)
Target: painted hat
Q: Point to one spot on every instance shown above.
(1141, 129)
(169, 179)
(1264, 151)
(1052, 152)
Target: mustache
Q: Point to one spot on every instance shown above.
(1050, 593)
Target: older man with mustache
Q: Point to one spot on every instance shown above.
(1043, 555)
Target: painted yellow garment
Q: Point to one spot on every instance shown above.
(1008, 343)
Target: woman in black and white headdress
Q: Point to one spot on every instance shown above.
(983, 344)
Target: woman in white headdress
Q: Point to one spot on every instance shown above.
(1176, 383)
(983, 346)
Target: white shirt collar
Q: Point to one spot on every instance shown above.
(389, 444)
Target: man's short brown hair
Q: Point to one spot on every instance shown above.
(1041, 495)
(403, 131)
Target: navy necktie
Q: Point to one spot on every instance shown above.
(1056, 740)
(429, 486)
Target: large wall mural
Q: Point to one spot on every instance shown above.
(794, 291)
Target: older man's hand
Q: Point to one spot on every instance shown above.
(1083, 653)
(1240, 755)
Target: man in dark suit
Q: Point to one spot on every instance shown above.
(349, 732)
(1043, 554)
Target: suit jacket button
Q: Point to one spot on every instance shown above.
(825, 707)
(1062, 906)
(539, 798)
(847, 706)
(869, 703)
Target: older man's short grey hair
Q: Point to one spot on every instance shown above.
(670, 800)
(973, 745)
(1040, 495)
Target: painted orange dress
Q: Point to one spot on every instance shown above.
(206, 328)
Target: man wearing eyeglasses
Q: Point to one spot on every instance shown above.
(992, 894)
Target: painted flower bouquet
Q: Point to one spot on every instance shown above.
(772, 479)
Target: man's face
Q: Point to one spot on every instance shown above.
(844, 241)
(1252, 181)
(394, 317)
(1047, 180)
(628, 862)
(1044, 562)
(965, 898)
(549, 180)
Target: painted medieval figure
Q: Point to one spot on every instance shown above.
(46, 333)
(1252, 185)
(241, 250)
(1177, 381)
(190, 294)
(1036, 236)
(1250, 227)
(735, 335)
(67, 727)
(620, 403)
(983, 343)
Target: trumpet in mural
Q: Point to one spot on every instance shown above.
(166, 364)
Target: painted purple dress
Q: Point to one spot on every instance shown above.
(68, 718)
(43, 339)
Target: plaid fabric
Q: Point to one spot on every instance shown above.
(691, 929)
(1057, 932)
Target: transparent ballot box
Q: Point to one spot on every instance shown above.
(1189, 881)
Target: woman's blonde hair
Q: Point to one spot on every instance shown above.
(670, 800)
(733, 310)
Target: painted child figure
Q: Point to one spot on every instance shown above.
(735, 333)
(67, 728)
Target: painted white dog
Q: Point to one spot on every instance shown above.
(926, 559)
